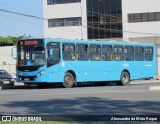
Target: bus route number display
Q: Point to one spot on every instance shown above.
(31, 42)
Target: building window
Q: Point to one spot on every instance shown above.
(63, 22)
(157, 16)
(144, 17)
(138, 17)
(104, 19)
(51, 2)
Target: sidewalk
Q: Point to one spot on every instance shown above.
(152, 81)
(145, 81)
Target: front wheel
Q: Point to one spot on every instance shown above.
(69, 80)
(124, 79)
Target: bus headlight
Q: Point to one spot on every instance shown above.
(40, 73)
(12, 79)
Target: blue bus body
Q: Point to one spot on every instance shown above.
(88, 70)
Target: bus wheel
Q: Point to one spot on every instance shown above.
(125, 78)
(68, 80)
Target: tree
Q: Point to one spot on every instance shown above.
(1, 39)
(8, 41)
(12, 40)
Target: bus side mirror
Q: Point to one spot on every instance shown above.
(13, 52)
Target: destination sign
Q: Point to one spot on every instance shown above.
(31, 42)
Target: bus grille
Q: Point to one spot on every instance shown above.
(29, 78)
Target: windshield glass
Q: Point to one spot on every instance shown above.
(4, 73)
(31, 56)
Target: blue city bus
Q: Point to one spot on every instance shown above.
(70, 62)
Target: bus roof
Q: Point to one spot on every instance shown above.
(97, 42)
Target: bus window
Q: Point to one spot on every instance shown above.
(118, 53)
(21, 57)
(82, 52)
(107, 53)
(38, 56)
(53, 53)
(148, 53)
(139, 53)
(69, 51)
(129, 53)
(95, 52)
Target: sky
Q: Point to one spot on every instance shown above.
(18, 25)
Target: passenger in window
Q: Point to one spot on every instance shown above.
(73, 56)
(117, 57)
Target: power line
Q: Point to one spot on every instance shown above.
(20, 20)
(41, 18)
(22, 14)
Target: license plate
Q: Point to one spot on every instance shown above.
(6, 82)
(26, 79)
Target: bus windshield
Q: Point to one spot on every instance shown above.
(31, 56)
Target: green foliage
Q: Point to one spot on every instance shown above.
(10, 40)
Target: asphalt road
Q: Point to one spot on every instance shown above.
(85, 100)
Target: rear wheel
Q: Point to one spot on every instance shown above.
(124, 79)
(69, 80)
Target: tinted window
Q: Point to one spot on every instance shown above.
(129, 53)
(104, 19)
(158, 16)
(118, 53)
(148, 53)
(138, 17)
(4, 73)
(53, 53)
(139, 53)
(151, 16)
(51, 2)
(82, 52)
(76, 21)
(144, 17)
(107, 53)
(95, 52)
(69, 51)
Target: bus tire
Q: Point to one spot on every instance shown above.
(124, 79)
(69, 80)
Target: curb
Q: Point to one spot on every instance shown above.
(155, 88)
(145, 81)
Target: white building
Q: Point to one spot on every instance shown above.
(146, 18)
(127, 20)
(6, 61)
(99, 19)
